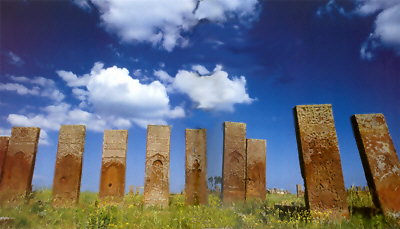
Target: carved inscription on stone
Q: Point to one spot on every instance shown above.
(380, 161)
(256, 165)
(19, 163)
(234, 162)
(156, 185)
(3, 152)
(113, 167)
(320, 159)
(196, 166)
(68, 170)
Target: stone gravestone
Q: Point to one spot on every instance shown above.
(256, 165)
(299, 190)
(19, 163)
(68, 171)
(320, 160)
(380, 161)
(113, 166)
(3, 152)
(156, 184)
(234, 162)
(196, 167)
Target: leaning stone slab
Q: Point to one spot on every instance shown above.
(380, 161)
(19, 163)
(320, 160)
(3, 152)
(113, 167)
(68, 171)
(256, 165)
(234, 162)
(156, 184)
(196, 167)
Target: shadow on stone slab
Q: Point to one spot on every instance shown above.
(368, 212)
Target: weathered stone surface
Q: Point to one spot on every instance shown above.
(299, 190)
(380, 161)
(113, 167)
(3, 152)
(320, 159)
(234, 162)
(68, 171)
(156, 184)
(196, 166)
(19, 163)
(256, 164)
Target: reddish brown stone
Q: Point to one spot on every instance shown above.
(112, 181)
(68, 171)
(234, 164)
(256, 164)
(196, 167)
(380, 161)
(320, 159)
(3, 152)
(18, 167)
(156, 184)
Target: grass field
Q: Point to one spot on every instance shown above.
(278, 211)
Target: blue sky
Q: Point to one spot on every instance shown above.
(124, 64)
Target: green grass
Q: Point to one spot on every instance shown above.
(90, 213)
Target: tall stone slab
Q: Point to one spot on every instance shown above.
(196, 166)
(380, 161)
(320, 159)
(68, 171)
(234, 162)
(256, 151)
(156, 184)
(299, 190)
(19, 163)
(113, 167)
(3, 152)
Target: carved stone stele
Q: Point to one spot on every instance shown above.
(320, 160)
(68, 170)
(234, 162)
(380, 161)
(113, 167)
(156, 184)
(196, 167)
(256, 166)
(19, 163)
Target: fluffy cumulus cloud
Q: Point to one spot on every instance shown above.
(165, 22)
(113, 94)
(386, 30)
(211, 91)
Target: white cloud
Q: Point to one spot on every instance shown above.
(19, 89)
(14, 59)
(54, 116)
(163, 23)
(115, 95)
(200, 69)
(163, 76)
(386, 31)
(367, 7)
(41, 87)
(387, 27)
(213, 92)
